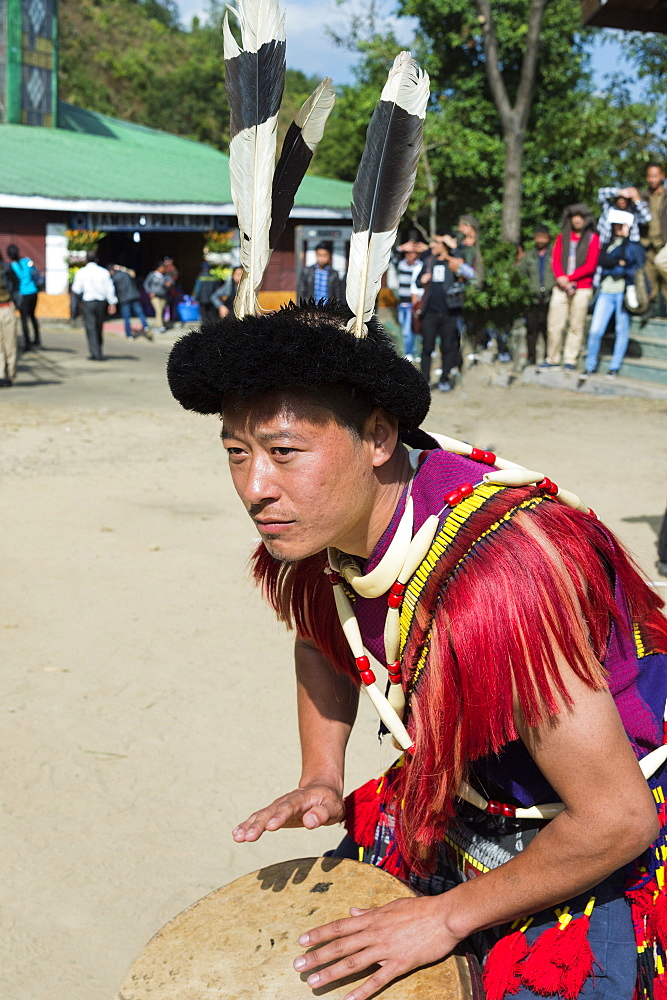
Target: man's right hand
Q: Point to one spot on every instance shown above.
(318, 804)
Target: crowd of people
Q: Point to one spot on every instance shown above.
(615, 267)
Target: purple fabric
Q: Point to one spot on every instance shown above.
(639, 687)
(437, 476)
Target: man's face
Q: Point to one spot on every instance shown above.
(467, 230)
(654, 178)
(542, 240)
(411, 257)
(323, 257)
(622, 203)
(577, 222)
(306, 481)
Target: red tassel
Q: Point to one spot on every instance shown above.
(574, 956)
(561, 959)
(656, 929)
(539, 971)
(502, 974)
(362, 812)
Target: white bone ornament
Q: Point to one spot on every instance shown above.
(380, 579)
(513, 477)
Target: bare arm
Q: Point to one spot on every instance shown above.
(327, 707)
(609, 819)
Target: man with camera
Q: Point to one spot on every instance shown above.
(443, 277)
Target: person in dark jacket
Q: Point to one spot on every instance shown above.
(205, 287)
(129, 301)
(536, 265)
(223, 297)
(619, 261)
(319, 281)
(443, 277)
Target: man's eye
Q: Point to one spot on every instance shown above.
(283, 451)
(234, 451)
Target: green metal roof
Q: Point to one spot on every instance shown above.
(92, 156)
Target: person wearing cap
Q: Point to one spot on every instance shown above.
(626, 199)
(516, 634)
(619, 260)
(574, 260)
(319, 281)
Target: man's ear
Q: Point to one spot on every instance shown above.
(382, 434)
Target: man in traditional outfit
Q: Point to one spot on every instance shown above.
(525, 655)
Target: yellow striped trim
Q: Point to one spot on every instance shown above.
(450, 528)
(639, 642)
(464, 856)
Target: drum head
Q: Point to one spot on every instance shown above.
(239, 942)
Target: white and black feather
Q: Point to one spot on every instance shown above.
(254, 80)
(298, 149)
(384, 183)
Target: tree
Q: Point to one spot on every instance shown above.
(514, 119)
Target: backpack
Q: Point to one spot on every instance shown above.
(643, 289)
(38, 278)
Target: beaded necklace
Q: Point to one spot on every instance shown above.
(401, 561)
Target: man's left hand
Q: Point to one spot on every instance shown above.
(401, 936)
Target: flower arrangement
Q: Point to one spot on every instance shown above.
(83, 239)
(218, 250)
(218, 242)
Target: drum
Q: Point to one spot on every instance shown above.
(239, 942)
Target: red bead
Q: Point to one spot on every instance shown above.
(548, 487)
(394, 600)
(368, 677)
(495, 808)
(592, 513)
(411, 749)
(333, 578)
(487, 457)
(394, 671)
(398, 588)
(453, 498)
(509, 810)
(362, 663)
(466, 490)
(423, 455)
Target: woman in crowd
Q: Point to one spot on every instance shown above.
(29, 278)
(619, 260)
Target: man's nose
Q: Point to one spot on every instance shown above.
(261, 485)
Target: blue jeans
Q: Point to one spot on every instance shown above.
(128, 309)
(608, 304)
(405, 321)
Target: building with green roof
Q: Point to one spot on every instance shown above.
(152, 193)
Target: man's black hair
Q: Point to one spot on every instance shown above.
(297, 348)
(325, 246)
(13, 252)
(542, 229)
(655, 163)
(91, 256)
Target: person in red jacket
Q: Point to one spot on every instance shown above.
(574, 260)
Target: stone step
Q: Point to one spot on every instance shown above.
(647, 347)
(656, 328)
(645, 369)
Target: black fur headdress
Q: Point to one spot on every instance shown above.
(295, 348)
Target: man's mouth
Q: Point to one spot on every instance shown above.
(272, 526)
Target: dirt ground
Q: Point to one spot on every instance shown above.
(147, 694)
